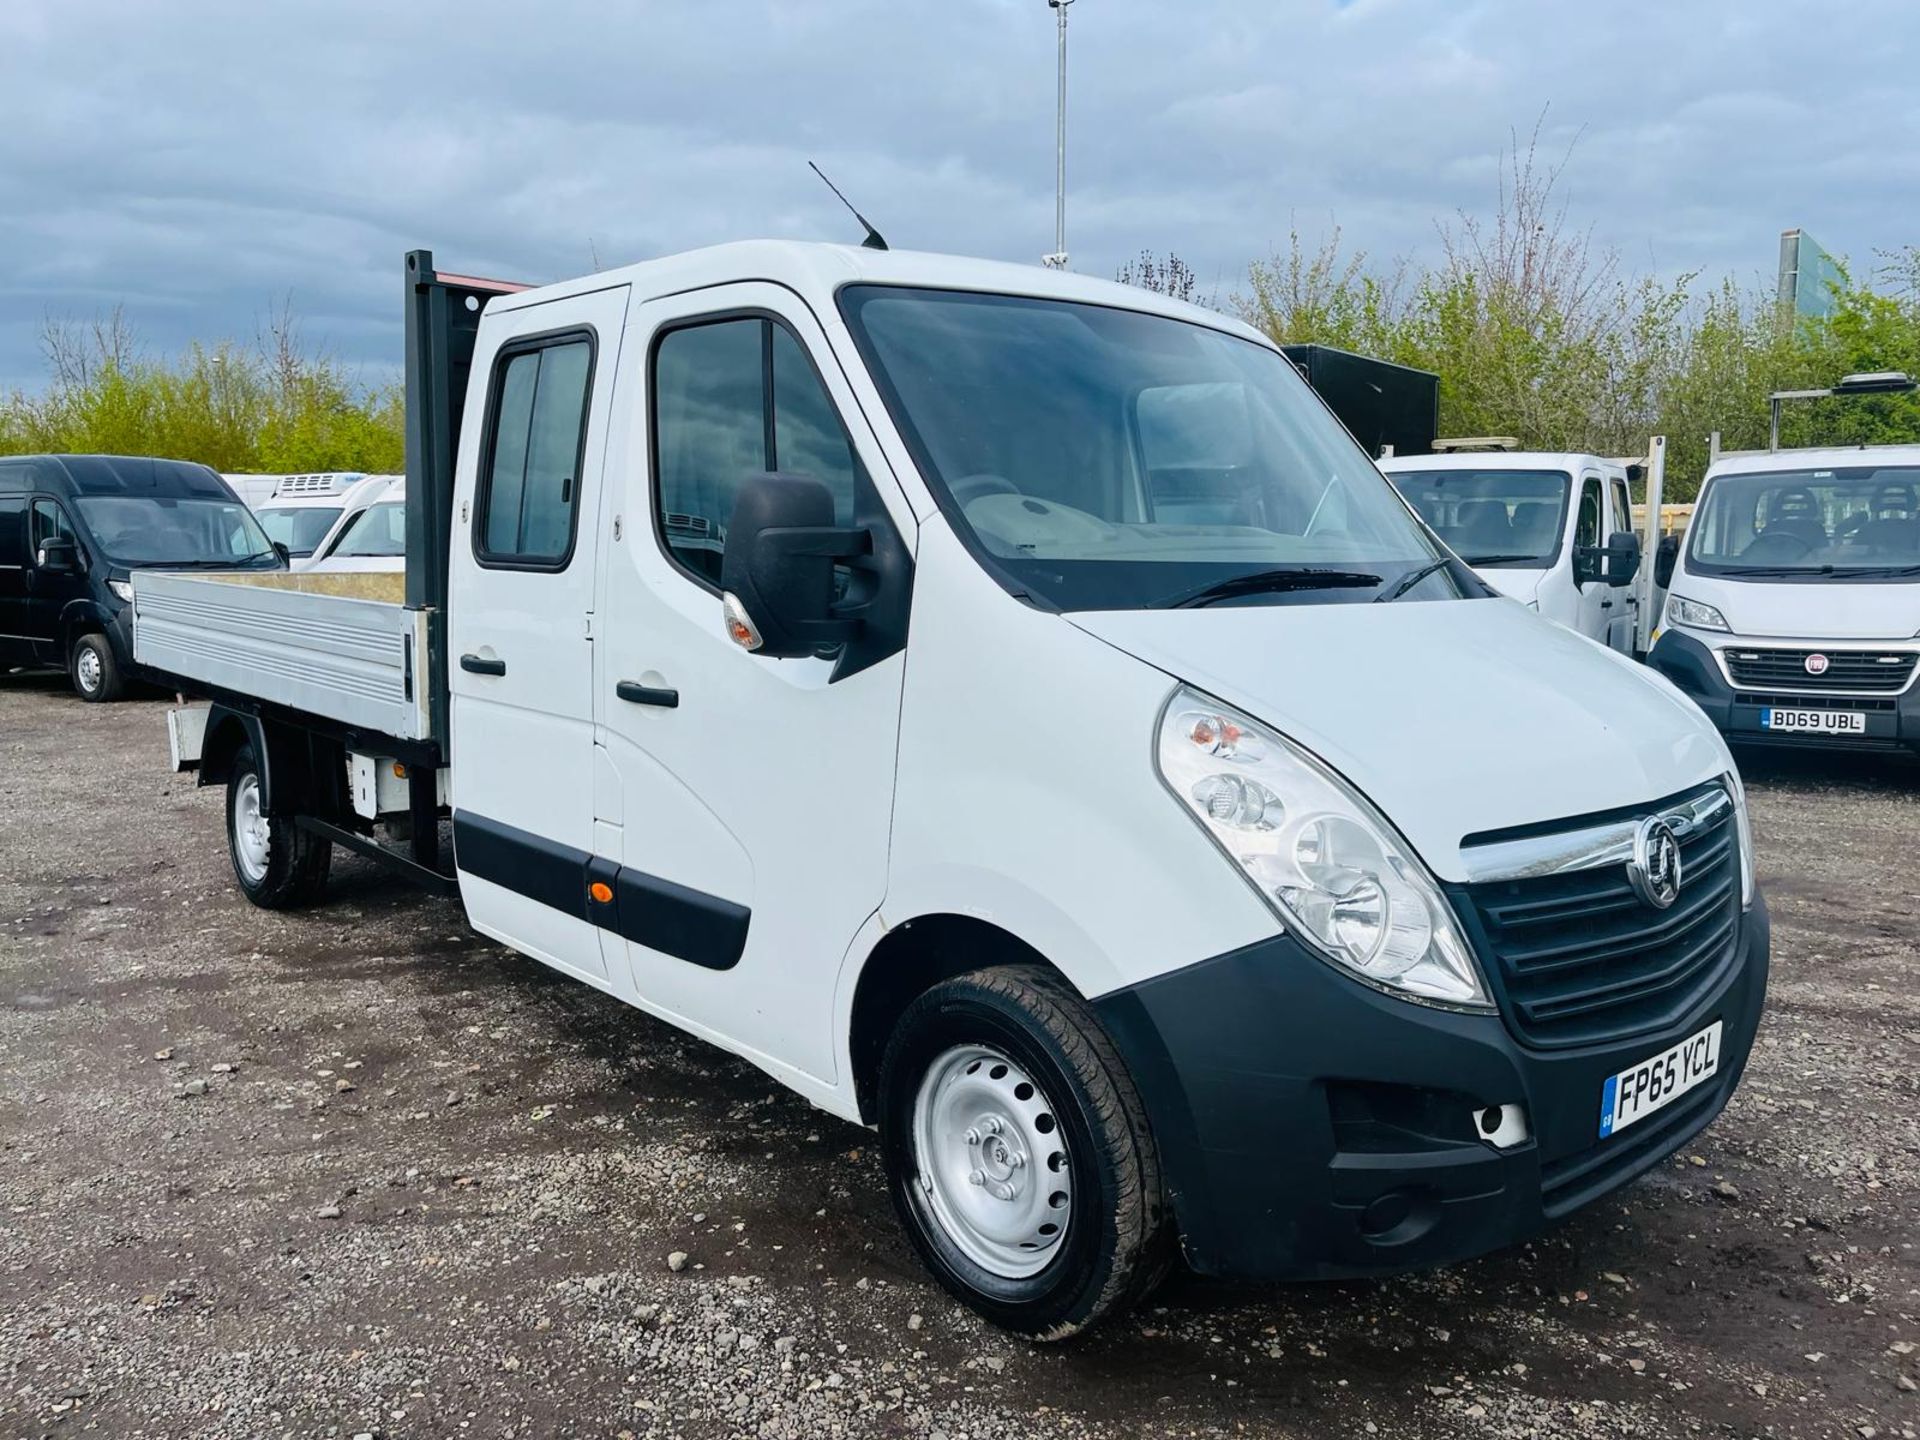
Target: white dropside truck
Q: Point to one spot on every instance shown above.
(1794, 614)
(1554, 531)
(1008, 708)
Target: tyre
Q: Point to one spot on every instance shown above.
(1018, 1153)
(279, 865)
(95, 673)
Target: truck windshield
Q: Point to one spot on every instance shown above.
(1854, 522)
(1102, 458)
(162, 530)
(378, 530)
(299, 528)
(1505, 519)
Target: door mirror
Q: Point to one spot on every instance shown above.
(1588, 563)
(777, 570)
(1664, 559)
(58, 556)
(280, 549)
(1623, 558)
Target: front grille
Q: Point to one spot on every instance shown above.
(1883, 670)
(1825, 702)
(1581, 959)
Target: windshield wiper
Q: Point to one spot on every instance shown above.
(1493, 559)
(1261, 581)
(1413, 578)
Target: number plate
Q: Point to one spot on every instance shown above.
(1639, 1090)
(1821, 722)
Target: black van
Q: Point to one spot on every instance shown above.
(73, 527)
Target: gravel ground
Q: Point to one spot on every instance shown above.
(360, 1172)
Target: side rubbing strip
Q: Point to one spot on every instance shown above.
(687, 924)
(518, 860)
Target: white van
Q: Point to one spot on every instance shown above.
(1794, 612)
(1006, 707)
(308, 510)
(372, 538)
(1553, 530)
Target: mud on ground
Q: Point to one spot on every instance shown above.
(360, 1172)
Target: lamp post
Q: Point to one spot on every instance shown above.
(1058, 259)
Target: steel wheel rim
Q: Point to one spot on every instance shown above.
(87, 666)
(992, 1162)
(252, 842)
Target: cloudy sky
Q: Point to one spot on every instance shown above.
(200, 159)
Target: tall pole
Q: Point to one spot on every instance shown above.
(1058, 260)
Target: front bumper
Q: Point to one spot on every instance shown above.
(1892, 721)
(1312, 1128)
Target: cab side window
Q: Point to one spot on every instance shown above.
(1586, 530)
(1622, 505)
(49, 522)
(536, 441)
(734, 398)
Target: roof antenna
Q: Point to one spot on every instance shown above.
(875, 240)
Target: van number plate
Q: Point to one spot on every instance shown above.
(1822, 722)
(1639, 1090)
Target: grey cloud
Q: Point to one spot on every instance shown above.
(199, 162)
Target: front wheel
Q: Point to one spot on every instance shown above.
(94, 671)
(1018, 1153)
(279, 865)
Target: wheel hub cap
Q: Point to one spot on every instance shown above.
(89, 667)
(993, 1164)
(251, 837)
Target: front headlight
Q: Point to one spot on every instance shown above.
(1318, 854)
(1743, 832)
(122, 588)
(1694, 615)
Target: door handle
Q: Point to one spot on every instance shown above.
(648, 694)
(474, 664)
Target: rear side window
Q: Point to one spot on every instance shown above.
(733, 398)
(535, 445)
(13, 531)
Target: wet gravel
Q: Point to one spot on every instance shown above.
(360, 1172)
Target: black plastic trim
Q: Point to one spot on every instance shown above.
(662, 915)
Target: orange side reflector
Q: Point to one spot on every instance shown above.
(601, 891)
(399, 771)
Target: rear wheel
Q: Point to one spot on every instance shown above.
(279, 865)
(1018, 1153)
(95, 673)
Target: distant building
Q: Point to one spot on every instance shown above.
(1808, 275)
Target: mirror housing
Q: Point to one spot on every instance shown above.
(1665, 558)
(777, 570)
(280, 549)
(58, 556)
(1622, 558)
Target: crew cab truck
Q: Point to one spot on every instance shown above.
(1793, 617)
(1004, 706)
(1554, 531)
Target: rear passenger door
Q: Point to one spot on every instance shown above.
(16, 647)
(521, 622)
(1623, 617)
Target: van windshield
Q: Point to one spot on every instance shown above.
(378, 530)
(1504, 519)
(163, 530)
(1102, 458)
(299, 528)
(1854, 522)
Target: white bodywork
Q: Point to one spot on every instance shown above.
(1595, 610)
(1002, 766)
(1832, 615)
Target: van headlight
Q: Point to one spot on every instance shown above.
(1694, 615)
(1743, 832)
(1319, 855)
(122, 588)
